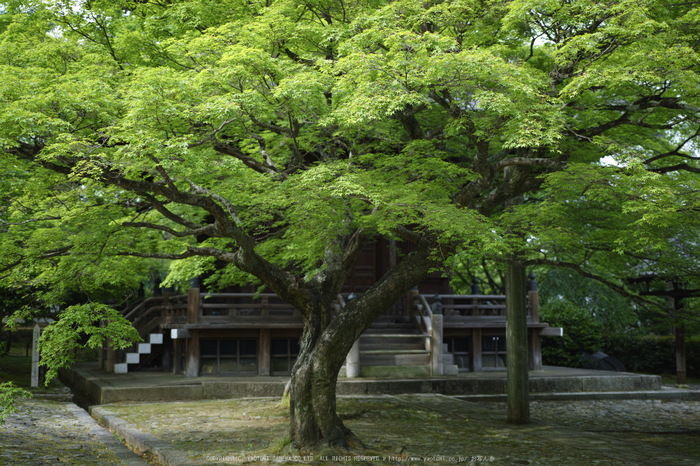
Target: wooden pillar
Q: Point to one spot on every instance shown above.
(517, 382)
(535, 350)
(535, 353)
(264, 349)
(679, 333)
(477, 364)
(192, 305)
(352, 361)
(474, 311)
(533, 298)
(436, 359)
(192, 359)
(177, 356)
(167, 361)
(680, 354)
(35, 356)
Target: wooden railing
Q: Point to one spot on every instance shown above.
(148, 314)
(481, 307)
(422, 314)
(474, 305)
(218, 306)
(174, 311)
(178, 310)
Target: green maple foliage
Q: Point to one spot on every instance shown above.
(277, 136)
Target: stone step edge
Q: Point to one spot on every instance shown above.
(394, 351)
(393, 335)
(664, 394)
(139, 441)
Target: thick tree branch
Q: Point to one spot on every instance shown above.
(281, 130)
(530, 162)
(160, 207)
(205, 230)
(213, 134)
(33, 220)
(643, 103)
(675, 168)
(250, 162)
(219, 198)
(676, 152)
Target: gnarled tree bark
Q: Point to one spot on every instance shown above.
(325, 343)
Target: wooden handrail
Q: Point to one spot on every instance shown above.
(129, 312)
(424, 317)
(473, 296)
(424, 305)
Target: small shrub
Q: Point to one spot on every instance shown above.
(582, 334)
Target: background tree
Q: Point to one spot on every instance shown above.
(278, 137)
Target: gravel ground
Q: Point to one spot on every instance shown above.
(52, 431)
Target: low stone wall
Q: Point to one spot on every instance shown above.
(110, 389)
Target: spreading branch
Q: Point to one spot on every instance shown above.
(585, 273)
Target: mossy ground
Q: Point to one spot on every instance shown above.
(398, 430)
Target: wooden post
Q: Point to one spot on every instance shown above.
(192, 305)
(352, 361)
(533, 298)
(474, 311)
(192, 360)
(476, 350)
(535, 350)
(177, 356)
(436, 359)
(534, 316)
(35, 356)
(167, 361)
(265, 309)
(264, 349)
(680, 355)
(517, 382)
(679, 333)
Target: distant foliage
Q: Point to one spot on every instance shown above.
(653, 354)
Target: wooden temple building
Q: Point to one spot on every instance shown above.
(430, 331)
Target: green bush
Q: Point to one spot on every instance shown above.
(582, 334)
(653, 354)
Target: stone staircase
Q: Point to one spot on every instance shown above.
(134, 357)
(393, 347)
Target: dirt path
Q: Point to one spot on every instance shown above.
(50, 432)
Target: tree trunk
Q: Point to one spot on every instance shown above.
(314, 421)
(313, 418)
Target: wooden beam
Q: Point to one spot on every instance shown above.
(517, 381)
(552, 332)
